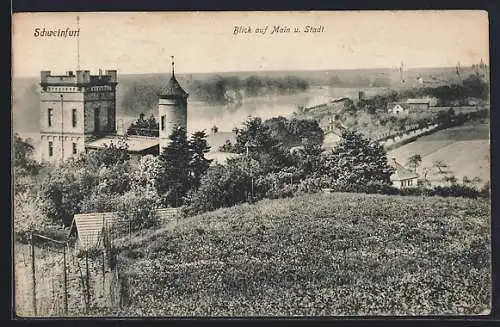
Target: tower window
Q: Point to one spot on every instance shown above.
(51, 149)
(73, 117)
(162, 123)
(74, 148)
(49, 116)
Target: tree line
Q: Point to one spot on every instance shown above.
(219, 90)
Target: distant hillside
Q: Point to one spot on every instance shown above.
(144, 87)
(323, 254)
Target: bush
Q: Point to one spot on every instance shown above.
(368, 188)
(138, 207)
(276, 185)
(220, 186)
(414, 191)
(455, 191)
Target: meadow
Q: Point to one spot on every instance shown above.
(465, 149)
(316, 255)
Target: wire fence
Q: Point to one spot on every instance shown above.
(53, 279)
(61, 278)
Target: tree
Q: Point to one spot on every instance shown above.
(450, 179)
(174, 181)
(24, 164)
(215, 129)
(63, 195)
(256, 133)
(221, 186)
(424, 180)
(110, 155)
(475, 87)
(414, 161)
(440, 165)
(147, 172)
(86, 184)
(144, 127)
(357, 161)
(444, 118)
(309, 160)
(199, 164)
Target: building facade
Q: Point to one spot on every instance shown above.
(75, 108)
(402, 177)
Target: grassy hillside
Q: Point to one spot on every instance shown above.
(324, 254)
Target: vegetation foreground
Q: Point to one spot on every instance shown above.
(321, 254)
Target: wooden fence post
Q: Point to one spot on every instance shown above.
(65, 282)
(33, 272)
(88, 275)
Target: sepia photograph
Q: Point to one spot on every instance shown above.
(251, 164)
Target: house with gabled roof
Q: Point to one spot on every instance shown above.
(402, 176)
(92, 228)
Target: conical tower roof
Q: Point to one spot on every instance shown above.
(173, 89)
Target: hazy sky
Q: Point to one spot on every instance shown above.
(204, 41)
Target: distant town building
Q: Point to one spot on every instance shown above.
(410, 106)
(398, 109)
(325, 103)
(418, 104)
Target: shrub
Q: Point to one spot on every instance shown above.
(414, 191)
(29, 217)
(455, 190)
(276, 185)
(220, 186)
(368, 188)
(138, 207)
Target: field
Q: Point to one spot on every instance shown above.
(465, 149)
(323, 254)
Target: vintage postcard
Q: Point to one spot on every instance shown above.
(243, 164)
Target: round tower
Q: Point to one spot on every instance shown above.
(172, 108)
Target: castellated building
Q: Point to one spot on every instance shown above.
(78, 114)
(74, 109)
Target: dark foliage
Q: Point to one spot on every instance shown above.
(231, 89)
(183, 164)
(144, 127)
(357, 161)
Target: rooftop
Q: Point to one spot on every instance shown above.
(90, 225)
(173, 88)
(418, 101)
(79, 77)
(401, 172)
(134, 143)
